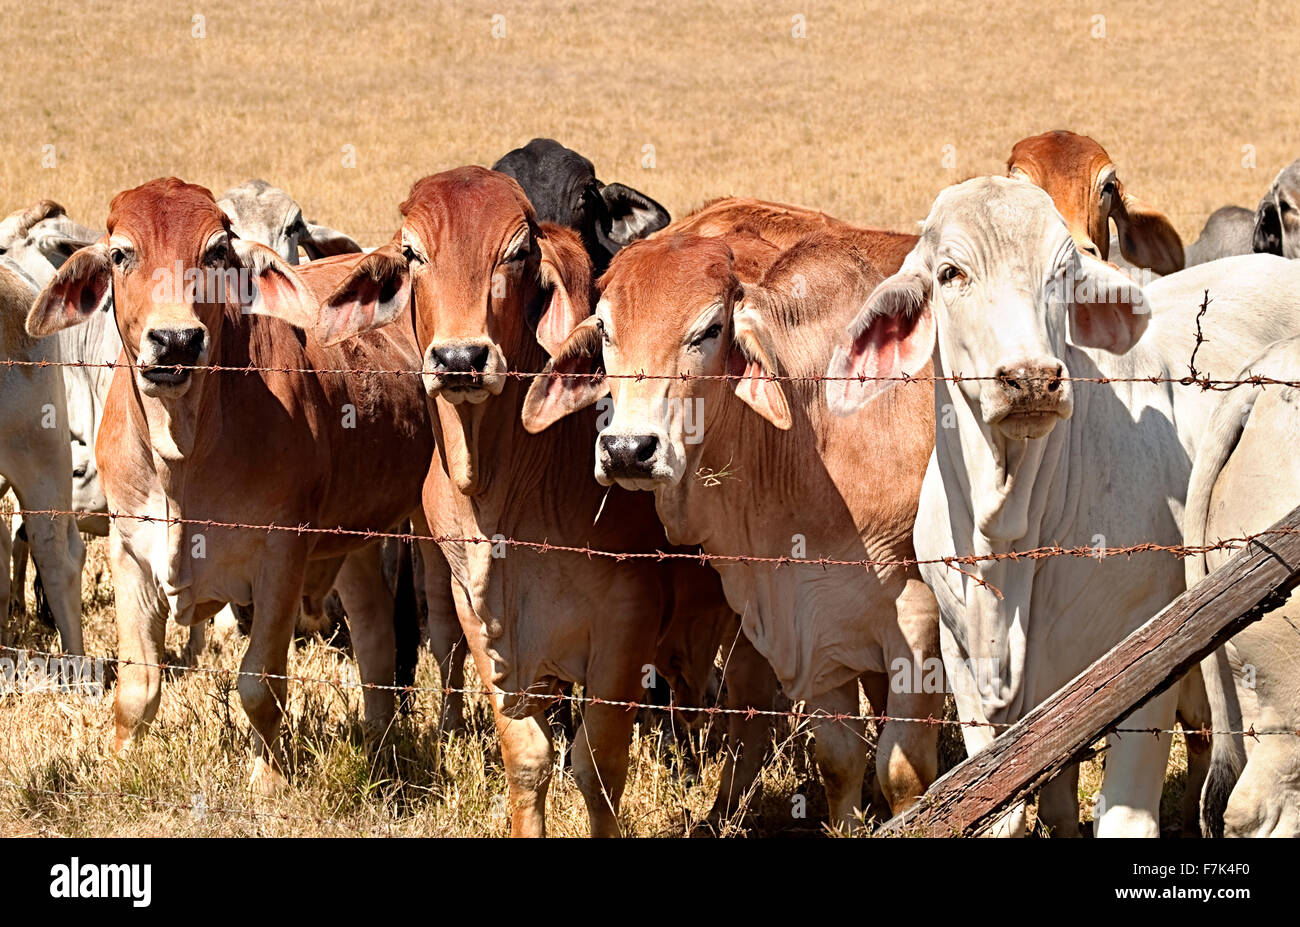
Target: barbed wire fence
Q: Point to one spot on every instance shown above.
(799, 716)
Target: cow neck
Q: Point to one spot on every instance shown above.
(174, 427)
(998, 494)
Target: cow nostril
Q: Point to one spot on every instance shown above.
(646, 447)
(478, 358)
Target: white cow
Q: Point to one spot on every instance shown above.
(1241, 484)
(35, 457)
(261, 212)
(1024, 457)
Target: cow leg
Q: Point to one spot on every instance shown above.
(21, 549)
(600, 759)
(529, 757)
(907, 754)
(750, 683)
(198, 641)
(442, 628)
(6, 589)
(1058, 803)
(369, 604)
(1194, 714)
(841, 753)
(141, 611)
(1135, 772)
(57, 551)
(276, 596)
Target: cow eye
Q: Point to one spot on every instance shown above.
(710, 333)
(408, 253)
(118, 257)
(950, 273)
(1109, 189)
(217, 255)
(519, 252)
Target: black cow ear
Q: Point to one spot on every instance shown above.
(629, 215)
(1268, 227)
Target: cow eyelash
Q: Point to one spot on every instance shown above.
(409, 254)
(950, 272)
(1109, 188)
(711, 332)
(118, 257)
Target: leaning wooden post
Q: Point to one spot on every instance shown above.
(1060, 730)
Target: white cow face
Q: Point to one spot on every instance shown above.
(997, 281)
(40, 238)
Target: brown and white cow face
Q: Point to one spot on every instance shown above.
(668, 307)
(998, 275)
(173, 270)
(1082, 181)
(484, 277)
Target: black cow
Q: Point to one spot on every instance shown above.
(562, 186)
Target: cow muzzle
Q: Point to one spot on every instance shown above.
(167, 352)
(1025, 399)
(636, 461)
(464, 371)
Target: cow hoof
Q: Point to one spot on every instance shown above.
(266, 779)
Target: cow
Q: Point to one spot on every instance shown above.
(1082, 181)
(494, 294)
(180, 444)
(562, 186)
(1277, 218)
(997, 290)
(1229, 230)
(35, 457)
(771, 474)
(261, 212)
(1239, 486)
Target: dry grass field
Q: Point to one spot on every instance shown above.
(345, 104)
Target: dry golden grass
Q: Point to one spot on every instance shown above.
(854, 119)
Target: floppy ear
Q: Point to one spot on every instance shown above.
(323, 241)
(375, 293)
(629, 215)
(1107, 309)
(80, 288)
(1267, 238)
(750, 359)
(551, 396)
(276, 290)
(565, 271)
(1146, 236)
(892, 335)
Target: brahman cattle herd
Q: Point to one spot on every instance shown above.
(615, 438)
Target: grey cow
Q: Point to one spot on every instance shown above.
(1273, 228)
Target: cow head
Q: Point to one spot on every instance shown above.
(1277, 220)
(562, 186)
(668, 306)
(40, 238)
(488, 283)
(174, 272)
(1081, 179)
(997, 274)
(263, 213)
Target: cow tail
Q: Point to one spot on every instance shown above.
(1227, 751)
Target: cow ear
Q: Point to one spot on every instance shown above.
(80, 288)
(571, 381)
(629, 215)
(1146, 236)
(1267, 238)
(892, 336)
(323, 241)
(565, 273)
(276, 290)
(374, 293)
(750, 359)
(1107, 310)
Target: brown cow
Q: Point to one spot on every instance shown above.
(181, 442)
(774, 475)
(494, 294)
(1081, 179)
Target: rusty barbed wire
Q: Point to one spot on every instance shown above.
(800, 716)
(1204, 381)
(700, 556)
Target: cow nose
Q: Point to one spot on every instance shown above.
(176, 345)
(1029, 381)
(462, 358)
(629, 455)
